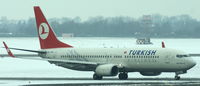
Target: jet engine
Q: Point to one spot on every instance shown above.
(150, 73)
(107, 70)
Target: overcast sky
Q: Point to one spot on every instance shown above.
(23, 9)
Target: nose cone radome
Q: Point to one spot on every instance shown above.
(191, 63)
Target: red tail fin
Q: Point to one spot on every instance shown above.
(46, 34)
(163, 44)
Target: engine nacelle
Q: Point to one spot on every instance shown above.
(150, 73)
(107, 70)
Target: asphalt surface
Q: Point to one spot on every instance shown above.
(56, 81)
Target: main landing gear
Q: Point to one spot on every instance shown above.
(123, 76)
(97, 77)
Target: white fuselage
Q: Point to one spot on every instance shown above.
(133, 59)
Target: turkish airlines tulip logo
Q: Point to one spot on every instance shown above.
(43, 31)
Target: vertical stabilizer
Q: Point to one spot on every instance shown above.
(163, 44)
(46, 34)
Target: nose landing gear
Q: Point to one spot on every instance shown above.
(177, 77)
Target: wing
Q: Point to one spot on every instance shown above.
(32, 57)
(58, 60)
(20, 55)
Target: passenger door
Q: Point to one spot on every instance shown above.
(167, 60)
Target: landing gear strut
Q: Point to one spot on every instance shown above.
(97, 77)
(123, 76)
(177, 77)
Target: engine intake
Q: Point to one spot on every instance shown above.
(107, 70)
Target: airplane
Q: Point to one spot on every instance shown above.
(148, 61)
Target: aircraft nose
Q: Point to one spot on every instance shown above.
(192, 63)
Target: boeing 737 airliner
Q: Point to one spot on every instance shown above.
(106, 61)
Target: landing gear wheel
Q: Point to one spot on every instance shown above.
(177, 77)
(97, 77)
(123, 76)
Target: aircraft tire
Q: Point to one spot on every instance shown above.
(123, 76)
(97, 77)
(177, 77)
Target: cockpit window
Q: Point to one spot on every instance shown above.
(181, 56)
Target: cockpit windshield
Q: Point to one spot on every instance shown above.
(182, 55)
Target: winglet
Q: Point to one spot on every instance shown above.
(163, 44)
(8, 50)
